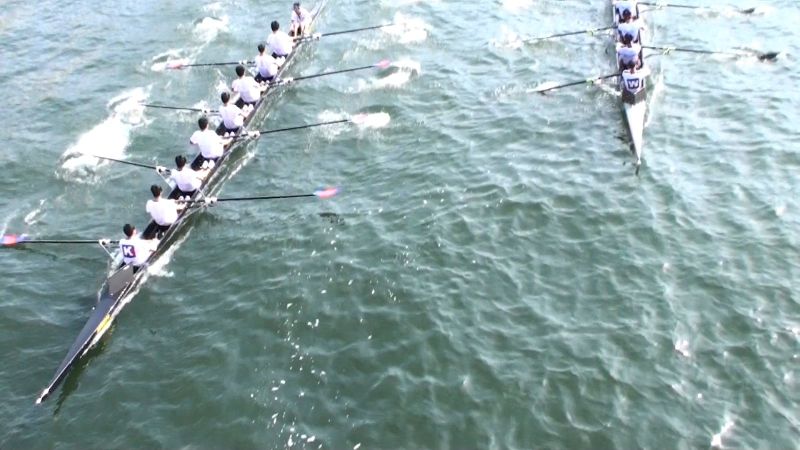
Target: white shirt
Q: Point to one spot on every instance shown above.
(209, 142)
(628, 54)
(303, 19)
(164, 211)
(280, 43)
(231, 116)
(247, 87)
(625, 5)
(267, 66)
(633, 28)
(634, 83)
(186, 179)
(135, 250)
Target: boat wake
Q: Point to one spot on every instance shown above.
(109, 138)
(206, 30)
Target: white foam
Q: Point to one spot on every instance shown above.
(408, 29)
(716, 440)
(516, 6)
(159, 62)
(210, 27)
(508, 39)
(109, 138)
(34, 216)
(406, 69)
(374, 120)
(780, 210)
(682, 347)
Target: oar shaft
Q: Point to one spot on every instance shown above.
(308, 77)
(336, 33)
(60, 241)
(671, 5)
(575, 83)
(130, 163)
(571, 33)
(301, 127)
(263, 197)
(178, 108)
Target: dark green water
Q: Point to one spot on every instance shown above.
(493, 275)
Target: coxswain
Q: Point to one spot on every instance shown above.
(628, 53)
(163, 211)
(301, 19)
(630, 27)
(267, 65)
(134, 250)
(248, 89)
(211, 145)
(183, 179)
(279, 43)
(232, 115)
(626, 5)
(633, 83)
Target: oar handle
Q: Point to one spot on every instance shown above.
(180, 108)
(336, 33)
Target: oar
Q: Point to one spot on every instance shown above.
(382, 64)
(357, 119)
(569, 33)
(544, 88)
(320, 193)
(769, 56)
(180, 108)
(122, 161)
(181, 65)
(10, 240)
(676, 5)
(336, 33)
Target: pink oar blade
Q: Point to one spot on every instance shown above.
(383, 64)
(327, 192)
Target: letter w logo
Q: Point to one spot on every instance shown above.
(633, 84)
(128, 251)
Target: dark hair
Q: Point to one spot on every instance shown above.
(240, 70)
(261, 48)
(225, 97)
(296, 5)
(202, 123)
(275, 25)
(128, 229)
(180, 161)
(155, 190)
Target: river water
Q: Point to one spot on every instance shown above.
(492, 275)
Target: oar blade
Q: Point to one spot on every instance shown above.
(383, 64)
(769, 56)
(326, 192)
(177, 64)
(544, 87)
(9, 240)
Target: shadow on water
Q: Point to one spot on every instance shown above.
(332, 218)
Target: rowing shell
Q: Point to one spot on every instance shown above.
(121, 286)
(635, 109)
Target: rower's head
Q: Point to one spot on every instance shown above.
(202, 123)
(129, 230)
(180, 161)
(261, 48)
(626, 15)
(155, 190)
(275, 25)
(225, 97)
(240, 70)
(296, 6)
(627, 39)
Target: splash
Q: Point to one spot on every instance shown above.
(508, 39)
(209, 28)
(682, 347)
(716, 440)
(405, 70)
(373, 120)
(109, 138)
(160, 62)
(206, 30)
(407, 29)
(34, 216)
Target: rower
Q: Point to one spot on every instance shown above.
(163, 211)
(232, 115)
(279, 43)
(631, 27)
(211, 145)
(267, 65)
(185, 180)
(248, 89)
(628, 53)
(633, 83)
(134, 250)
(301, 19)
(621, 6)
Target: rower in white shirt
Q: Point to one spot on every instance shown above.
(633, 83)
(211, 145)
(301, 19)
(626, 5)
(247, 87)
(134, 250)
(163, 211)
(279, 43)
(186, 180)
(267, 65)
(628, 53)
(632, 28)
(232, 115)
